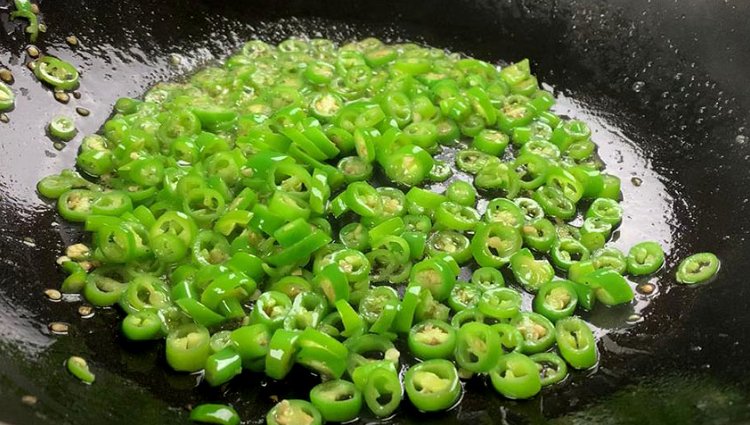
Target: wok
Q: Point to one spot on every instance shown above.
(664, 85)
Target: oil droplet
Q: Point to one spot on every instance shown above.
(53, 294)
(638, 86)
(741, 139)
(83, 111)
(637, 181)
(59, 328)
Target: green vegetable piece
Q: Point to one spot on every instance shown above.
(576, 342)
(337, 400)
(56, 73)
(79, 368)
(516, 376)
(432, 385)
(220, 414)
(288, 412)
(7, 98)
(552, 368)
(698, 268)
(645, 258)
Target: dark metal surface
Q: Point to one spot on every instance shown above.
(664, 84)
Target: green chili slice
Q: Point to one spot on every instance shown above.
(698, 268)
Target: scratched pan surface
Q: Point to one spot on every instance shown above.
(663, 84)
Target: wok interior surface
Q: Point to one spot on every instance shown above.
(664, 87)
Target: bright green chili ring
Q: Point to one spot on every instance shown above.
(432, 385)
(7, 98)
(294, 412)
(432, 339)
(57, 73)
(487, 277)
(537, 331)
(516, 376)
(555, 300)
(499, 303)
(477, 347)
(337, 400)
(552, 369)
(576, 342)
(698, 268)
(215, 414)
(645, 258)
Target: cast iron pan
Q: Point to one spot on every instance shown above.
(664, 84)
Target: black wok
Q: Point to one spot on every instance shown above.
(665, 85)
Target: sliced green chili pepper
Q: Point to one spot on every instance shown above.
(141, 326)
(288, 412)
(607, 210)
(434, 275)
(532, 274)
(383, 392)
(498, 176)
(432, 339)
(556, 299)
(57, 73)
(477, 347)
(609, 258)
(552, 369)
(188, 348)
(609, 286)
(645, 258)
(79, 368)
(576, 342)
(215, 414)
(432, 385)
(554, 202)
(539, 235)
(222, 366)
(499, 303)
(493, 244)
(471, 161)
(281, 351)
(510, 337)
(698, 268)
(7, 98)
(322, 353)
(516, 376)
(462, 193)
(464, 295)
(566, 251)
(337, 400)
(252, 344)
(447, 242)
(537, 331)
